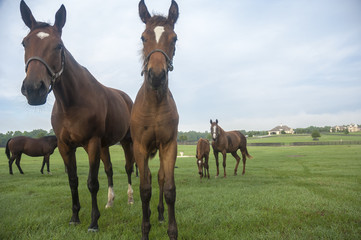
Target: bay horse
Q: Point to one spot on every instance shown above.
(154, 118)
(202, 152)
(85, 113)
(33, 147)
(228, 142)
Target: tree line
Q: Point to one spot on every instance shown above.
(189, 137)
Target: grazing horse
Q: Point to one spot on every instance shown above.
(202, 152)
(33, 147)
(85, 113)
(154, 118)
(228, 142)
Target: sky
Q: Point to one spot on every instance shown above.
(251, 64)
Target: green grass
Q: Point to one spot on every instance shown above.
(309, 192)
(288, 138)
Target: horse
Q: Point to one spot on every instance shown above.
(154, 117)
(203, 152)
(33, 147)
(228, 142)
(85, 113)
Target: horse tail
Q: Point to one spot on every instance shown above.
(244, 144)
(7, 150)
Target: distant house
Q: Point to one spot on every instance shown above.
(280, 129)
(351, 128)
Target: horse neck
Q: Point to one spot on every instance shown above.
(155, 97)
(70, 83)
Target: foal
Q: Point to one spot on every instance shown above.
(203, 150)
(85, 113)
(154, 118)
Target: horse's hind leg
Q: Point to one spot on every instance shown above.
(17, 162)
(129, 162)
(206, 165)
(105, 157)
(11, 160)
(235, 155)
(244, 162)
(42, 166)
(45, 161)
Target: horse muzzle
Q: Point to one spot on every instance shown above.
(157, 79)
(36, 92)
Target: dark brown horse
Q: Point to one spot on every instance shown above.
(33, 147)
(228, 142)
(85, 113)
(203, 152)
(154, 119)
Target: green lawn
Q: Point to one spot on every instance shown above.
(309, 192)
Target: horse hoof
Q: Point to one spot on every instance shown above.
(49, 173)
(131, 201)
(93, 229)
(71, 223)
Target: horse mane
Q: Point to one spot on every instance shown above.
(40, 25)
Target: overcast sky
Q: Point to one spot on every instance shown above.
(251, 64)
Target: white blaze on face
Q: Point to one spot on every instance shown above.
(42, 35)
(214, 132)
(158, 30)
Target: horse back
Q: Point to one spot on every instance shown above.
(203, 148)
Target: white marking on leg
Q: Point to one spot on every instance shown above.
(42, 35)
(111, 197)
(158, 30)
(130, 194)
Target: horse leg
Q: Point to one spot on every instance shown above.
(69, 159)
(11, 160)
(235, 155)
(17, 162)
(145, 187)
(161, 193)
(206, 165)
(93, 150)
(244, 162)
(224, 163)
(168, 156)
(217, 163)
(105, 157)
(42, 166)
(129, 162)
(48, 164)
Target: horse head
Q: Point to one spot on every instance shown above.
(44, 55)
(215, 131)
(159, 41)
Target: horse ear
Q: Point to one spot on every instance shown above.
(216, 121)
(60, 18)
(173, 12)
(26, 15)
(143, 12)
(210, 121)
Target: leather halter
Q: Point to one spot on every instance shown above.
(54, 75)
(146, 61)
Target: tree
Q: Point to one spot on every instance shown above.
(315, 135)
(183, 138)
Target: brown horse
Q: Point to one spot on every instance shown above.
(85, 113)
(33, 147)
(154, 119)
(203, 152)
(228, 142)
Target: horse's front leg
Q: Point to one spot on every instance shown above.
(145, 186)
(206, 165)
(68, 155)
(161, 186)
(105, 157)
(129, 163)
(224, 163)
(168, 156)
(93, 149)
(217, 163)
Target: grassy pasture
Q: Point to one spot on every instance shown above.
(308, 192)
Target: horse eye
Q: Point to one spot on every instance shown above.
(143, 39)
(175, 39)
(59, 47)
(22, 43)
